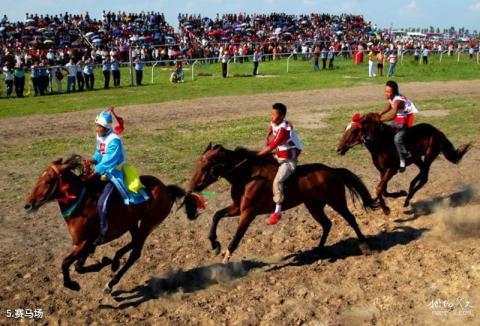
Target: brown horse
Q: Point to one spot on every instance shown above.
(251, 177)
(422, 140)
(77, 197)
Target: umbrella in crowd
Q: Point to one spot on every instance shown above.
(134, 38)
(89, 34)
(30, 28)
(29, 21)
(2, 29)
(117, 32)
(48, 42)
(97, 41)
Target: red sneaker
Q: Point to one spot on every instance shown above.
(274, 218)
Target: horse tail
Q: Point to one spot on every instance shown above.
(357, 188)
(175, 192)
(452, 154)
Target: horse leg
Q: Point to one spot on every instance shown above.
(229, 211)
(318, 213)
(341, 208)
(396, 194)
(81, 269)
(122, 251)
(137, 245)
(418, 182)
(381, 188)
(79, 252)
(245, 219)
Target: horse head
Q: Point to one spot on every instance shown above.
(361, 130)
(53, 183)
(209, 168)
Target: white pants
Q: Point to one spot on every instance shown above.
(286, 169)
(371, 68)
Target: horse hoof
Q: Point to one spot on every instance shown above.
(217, 247)
(386, 210)
(72, 285)
(107, 289)
(406, 203)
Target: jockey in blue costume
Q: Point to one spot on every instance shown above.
(109, 159)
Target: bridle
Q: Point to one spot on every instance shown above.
(62, 186)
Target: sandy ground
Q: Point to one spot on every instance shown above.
(424, 269)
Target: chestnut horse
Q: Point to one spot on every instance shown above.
(251, 177)
(422, 140)
(77, 197)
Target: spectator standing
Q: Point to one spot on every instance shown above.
(44, 77)
(371, 63)
(80, 77)
(106, 67)
(36, 78)
(416, 55)
(425, 55)
(19, 79)
(224, 60)
(324, 55)
(88, 73)
(256, 60)
(380, 61)
(71, 69)
(139, 71)
(7, 73)
(116, 72)
(331, 57)
(392, 59)
(58, 77)
(316, 55)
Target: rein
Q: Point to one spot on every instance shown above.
(235, 166)
(216, 177)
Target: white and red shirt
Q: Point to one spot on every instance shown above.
(404, 114)
(285, 140)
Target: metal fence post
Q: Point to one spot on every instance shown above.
(193, 69)
(153, 66)
(288, 61)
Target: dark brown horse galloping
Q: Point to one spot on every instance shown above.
(422, 140)
(251, 177)
(77, 198)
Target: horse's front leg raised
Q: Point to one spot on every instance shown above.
(232, 210)
(79, 252)
(246, 217)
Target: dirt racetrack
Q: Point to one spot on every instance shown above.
(424, 267)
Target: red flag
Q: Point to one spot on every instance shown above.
(120, 127)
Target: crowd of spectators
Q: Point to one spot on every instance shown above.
(50, 42)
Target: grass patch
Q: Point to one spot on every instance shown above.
(209, 82)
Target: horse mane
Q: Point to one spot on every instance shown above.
(372, 116)
(75, 161)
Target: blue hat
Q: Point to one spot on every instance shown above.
(104, 119)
